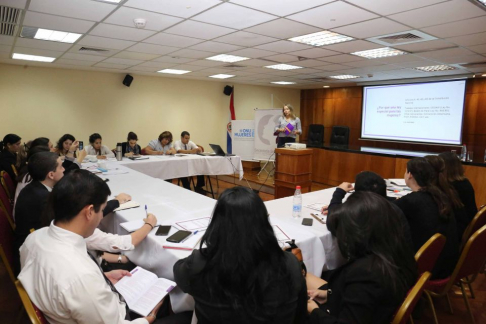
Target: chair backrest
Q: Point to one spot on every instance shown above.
(477, 222)
(340, 135)
(428, 254)
(143, 152)
(14, 169)
(35, 314)
(473, 256)
(6, 244)
(202, 148)
(6, 206)
(7, 184)
(403, 314)
(315, 136)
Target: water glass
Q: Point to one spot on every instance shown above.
(470, 156)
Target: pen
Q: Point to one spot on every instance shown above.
(146, 212)
(319, 219)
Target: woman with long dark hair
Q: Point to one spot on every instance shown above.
(429, 211)
(9, 148)
(240, 274)
(96, 148)
(380, 268)
(454, 173)
(67, 146)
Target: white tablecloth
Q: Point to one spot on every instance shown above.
(185, 165)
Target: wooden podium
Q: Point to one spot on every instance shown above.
(292, 168)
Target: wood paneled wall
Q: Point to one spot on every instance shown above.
(342, 106)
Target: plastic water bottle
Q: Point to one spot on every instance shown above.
(463, 152)
(297, 205)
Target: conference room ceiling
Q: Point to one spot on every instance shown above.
(182, 34)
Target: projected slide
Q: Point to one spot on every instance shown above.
(420, 112)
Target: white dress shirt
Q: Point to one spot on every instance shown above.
(64, 282)
(104, 150)
(178, 145)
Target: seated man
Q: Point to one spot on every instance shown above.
(186, 146)
(161, 146)
(59, 275)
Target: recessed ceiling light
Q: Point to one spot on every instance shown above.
(49, 35)
(36, 58)
(484, 75)
(379, 52)
(171, 71)
(484, 3)
(221, 76)
(109, 1)
(321, 38)
(283, 67)
(282, 82)
(434, 68)
(325, 86)
(227, 58)
(345, 76)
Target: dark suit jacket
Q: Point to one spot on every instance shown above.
(6, 161)
(124, 148)
(357, 294)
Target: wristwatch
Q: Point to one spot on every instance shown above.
(120, 257)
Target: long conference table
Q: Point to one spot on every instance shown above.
(144, 181)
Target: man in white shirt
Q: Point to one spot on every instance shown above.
(186, 146)
(59, 275)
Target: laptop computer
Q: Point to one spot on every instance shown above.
(219, 151)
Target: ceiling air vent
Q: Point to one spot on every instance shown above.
(9, 19)
(92, 49)
(409, 37)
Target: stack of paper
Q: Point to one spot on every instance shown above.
(134, 225)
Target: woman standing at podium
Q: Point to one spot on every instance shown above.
(288, 126)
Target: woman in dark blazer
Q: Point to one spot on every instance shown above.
(130, 147)
(9, 148)
(240, 274)
(381, 269)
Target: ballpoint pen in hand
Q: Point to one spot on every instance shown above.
(146, 211)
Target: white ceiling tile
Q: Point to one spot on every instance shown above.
(173, 59)
(6, 56)
(36, 19)
(82, 57)
(154, 21)
(6, 40)
(188, 67)
(156, 65)
(189, 53)
(467, 40)
(144, 68)
(343, 58)
(5, 48)
(73, 62)
(34, 43)
(416, 63)
(458, 28)
(371, 28)
(102, 42)
(233, 16)
(282, 58)
(172, 40)
(333, 15)
(36, 51)
(425, 46)
(364, 63)
(111, 66)
(305, 70)
(251, 53)
(284, 46)
(136, 56)
(89, 10)
(398, 59)
(281, 7)
(215, 70)
(122, 61)
(179, 8)
(314, 53)
(106, 51)
(215, 47)
(309, 63)
(353, 46)
(152, 49)
(479, 48)
(445, 53)
(208, 63)
(463, 59)
(388, 7)
(245, 39)
(283, 28)
(439, 14)
(335, 67)
(199, 30)
(121, 32)
(14, 3)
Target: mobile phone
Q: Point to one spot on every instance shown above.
(179, 236)
(81, 145)
(163, 230)
(307, 221)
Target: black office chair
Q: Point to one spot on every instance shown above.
(315, 137)
(340, 135)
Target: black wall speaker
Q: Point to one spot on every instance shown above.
(228, 90)
(128, 80)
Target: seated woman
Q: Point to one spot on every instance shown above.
(454, 173)
(96, 148)
(429, 211)
(161, 146)
(67, 146)
(380, 270)
(240, 274)
(9, 148)
(130, 147)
